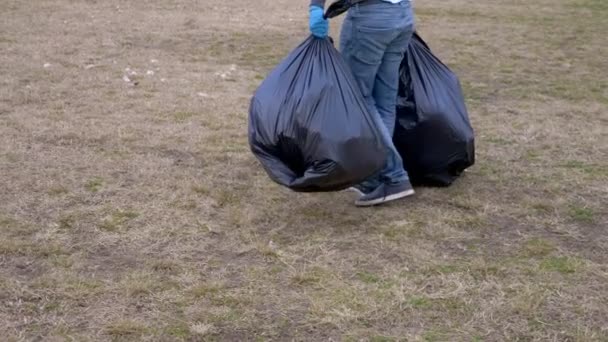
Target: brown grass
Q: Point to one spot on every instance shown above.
(135, 211)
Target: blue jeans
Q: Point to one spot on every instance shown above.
(373, 41)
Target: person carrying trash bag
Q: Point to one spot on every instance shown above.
(374, 37)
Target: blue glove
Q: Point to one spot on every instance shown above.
(318, 25)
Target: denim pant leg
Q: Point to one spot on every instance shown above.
(384, 93)
(372, 41)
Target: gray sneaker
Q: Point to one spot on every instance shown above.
(385, 193)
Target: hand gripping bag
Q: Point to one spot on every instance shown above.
(309, 125)
(433, 133)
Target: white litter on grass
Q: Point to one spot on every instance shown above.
(223, 75)
(272, 245)
(47, 65)
(126, 78)
(202, 94)
(163, 79)
(202, 328)
(226, 74)
(130, 72)
(150, 72)
(154, 61)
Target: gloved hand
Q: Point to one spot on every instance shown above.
(318, 25)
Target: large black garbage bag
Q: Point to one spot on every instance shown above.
(433, 133)
(309, 125)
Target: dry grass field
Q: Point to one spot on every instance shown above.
(132, 210)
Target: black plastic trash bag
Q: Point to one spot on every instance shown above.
(433, 133)
(309, 125)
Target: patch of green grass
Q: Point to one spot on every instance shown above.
(81, 286)
(228, 300)
(420, 302)
(52, 306)
(117, 220)
(64, 261)
(380, 338)
(225, 315)
(435, 336)
(11, 247)
(445, 269)
(475, 92)
(178, 330)
(140, 284)
(227, 197)
(369, 278)
(7, 40)
(7, 222)
(581, 214)
(538, 247)
(414, 229)
(540, 207)
(12, 227)
(391, 232)
(183, 116)
(267, 251)
(10, 157)
(574, 164)
(596, 6)
(206, 290)
(337, 303)
(451, 304)
(47, 250)
(592, 170)
(527, 302)
(94, 184)
(201, 190)
(468, 222)
(189, 204)
(499, 141)
(127, 329)
(66, 222)
(563, 264)
(66, 285)
(485, 271)
(165, 266)
(310, 277)
(275, 269)
(532, 155)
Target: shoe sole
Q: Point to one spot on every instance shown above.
(385, 199)
(355, 190)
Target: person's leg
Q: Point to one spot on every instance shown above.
(385, 91)
(374, 39)
(364, 55)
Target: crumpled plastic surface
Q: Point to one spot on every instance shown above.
(433, 133)
(309, 125)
